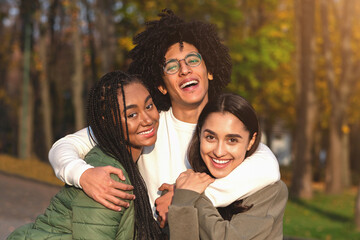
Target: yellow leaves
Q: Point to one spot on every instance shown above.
(237, 57)
(345, 129)
(126, 42)
(30, 168)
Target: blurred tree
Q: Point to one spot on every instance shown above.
(43, 46)
(92, 46)
(8, 89)
(301, 185)
(104, 11)
(260, 39)
(340, 87)
(77, 76)
(26, 110)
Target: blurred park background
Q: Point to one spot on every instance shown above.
(296, 61)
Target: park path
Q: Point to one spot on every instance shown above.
(21, 200)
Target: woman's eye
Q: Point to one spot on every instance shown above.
(209, 137)
(131, 115)
(149, 106)
(233, 140)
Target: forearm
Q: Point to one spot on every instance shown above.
(66, 156)
(256, 172)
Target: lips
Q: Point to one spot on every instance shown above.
(148, 132)
(188, 83)
(220, 163)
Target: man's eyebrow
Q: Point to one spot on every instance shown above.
(147, 98)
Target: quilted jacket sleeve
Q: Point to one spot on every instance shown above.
(92, 220)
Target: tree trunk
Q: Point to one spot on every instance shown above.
(77, 78)
(44, 88)
(26, 114)
(92, 47)
(339, 92)
(345, 145)
(106, 27)
(306, 104)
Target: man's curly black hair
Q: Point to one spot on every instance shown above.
(151, 45)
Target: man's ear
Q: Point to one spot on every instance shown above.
(162, 89)
(210, 76)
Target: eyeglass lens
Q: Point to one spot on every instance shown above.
(173, 65)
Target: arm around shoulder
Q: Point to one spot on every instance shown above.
(67, 154)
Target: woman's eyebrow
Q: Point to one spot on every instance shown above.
(134, 105)
(129, 107)
(209, 131)
(233, 135)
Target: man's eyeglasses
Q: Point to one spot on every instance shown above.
(172, 66)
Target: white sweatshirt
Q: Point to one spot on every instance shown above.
(163, 162)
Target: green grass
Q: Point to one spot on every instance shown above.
(324, 217)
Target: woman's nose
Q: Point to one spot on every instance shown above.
(219, 150)
(146, 119)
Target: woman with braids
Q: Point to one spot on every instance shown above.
(123, 119)
(183, 64)
(227, 133)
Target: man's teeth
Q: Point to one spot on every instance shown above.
(220, 161)
(147, 132)
(188, 83)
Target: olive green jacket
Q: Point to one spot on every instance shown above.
(192, 216)
(73, 215)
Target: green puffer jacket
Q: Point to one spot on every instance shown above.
(73, 215)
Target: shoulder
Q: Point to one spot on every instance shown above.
(97, 158)
(277, 189)
(270, 198)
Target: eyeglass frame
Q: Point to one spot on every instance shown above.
(178, 62)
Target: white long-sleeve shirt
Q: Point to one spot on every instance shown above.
(164, 161)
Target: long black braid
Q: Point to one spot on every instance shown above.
(151, 45)
(107, 131)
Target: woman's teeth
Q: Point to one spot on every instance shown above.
(147, 132)
(220, 161)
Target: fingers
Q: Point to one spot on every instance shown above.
(97, 184)
(120, 185)
(121, 194)
(166, 186)
(162, 221)
(109, 205)
(116, 171)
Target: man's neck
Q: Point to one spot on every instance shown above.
(189, 114)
